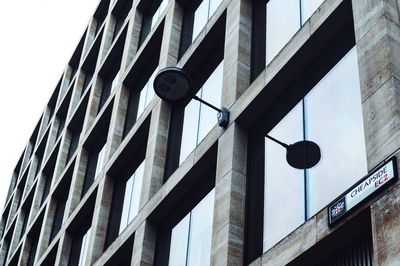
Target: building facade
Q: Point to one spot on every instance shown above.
(113, 175)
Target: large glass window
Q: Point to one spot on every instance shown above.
(191, 237)
(284, 18)
(202, 14)
(331, 116)
(198, 118)
(133, 187)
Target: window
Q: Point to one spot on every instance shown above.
(79, 248)
(94, 166)
(284, 18)
(202, 14)
(330, 115)
(133, 187)
(100, 161)
(151, 16)
(120, 13)
(199, 119)
(125, 200)
(158, 12)
(84, 248)
(191, 237)
(146, 94)
(105, 92)
(115, 80)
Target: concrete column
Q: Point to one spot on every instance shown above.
(66, 79)
(145, 236)
(144, 245)
(78, 176)
(64, 249)
(237, 51)
(386, 228)
(106, 39)
(378, 44)
(230, 186)
(93, 104)
(132, 38)
(24, 256)
(90, 35)
(100, 220)
(230, 194)
(17, 232)
(62, 156)
(377, 33)
(117, 121)
(76, 93)
(45, 231)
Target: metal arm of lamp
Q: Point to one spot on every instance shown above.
(172, 84)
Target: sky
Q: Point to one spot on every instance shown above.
(37, 39)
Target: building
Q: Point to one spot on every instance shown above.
(113, 175)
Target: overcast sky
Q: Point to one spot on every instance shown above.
(38, 38)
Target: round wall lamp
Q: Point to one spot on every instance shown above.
(172, 84)
(301, 155)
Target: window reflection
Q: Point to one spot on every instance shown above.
(198, 118)
(202, 14)
(283, 21)
(130, 206)
(84, 248)
(334, 119)
(308, 7)
(288, 211)
(284, 18)
(146, 94)
(331, 116)
(191, 237)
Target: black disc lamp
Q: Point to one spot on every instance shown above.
(172, 84)
(301, 155)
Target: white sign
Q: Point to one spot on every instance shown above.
(362, 190)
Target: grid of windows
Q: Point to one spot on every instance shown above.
(107, 178)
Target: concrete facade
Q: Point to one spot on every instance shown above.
(50, 172)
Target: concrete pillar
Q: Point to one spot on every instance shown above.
(230, 194)
(24, 256)
(237, 51)
(377, 34)
(132, 37)
(145, 236)
(17, 232)
(93, 103)
(90, 35)
(144, 245)
(230, 186)
(74, 196)
(62, 156)
(63, 250)
(106, 39)
(100, 220)
(47, 225)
